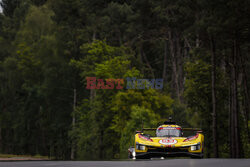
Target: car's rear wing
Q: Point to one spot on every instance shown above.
(148, 129)
(184, 129)
(192, 129)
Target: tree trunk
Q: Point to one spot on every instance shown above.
(230, 131)
(213, 78)
(164, 73)
(235, 142)
(197, 39)
(1, 140)
(72, 156)
(140, 56)
(101, 150)
(246, 95)
(180, 67)
(94, 36)
(147, 62)
(187, 44)
(175, 85)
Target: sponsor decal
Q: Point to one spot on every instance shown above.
(169, 128)
(191, 138)
(167, 141)
(145, 138)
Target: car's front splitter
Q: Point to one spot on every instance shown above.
(167, 154)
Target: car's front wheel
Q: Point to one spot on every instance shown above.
(197, 156)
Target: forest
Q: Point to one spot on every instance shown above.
(200, 49)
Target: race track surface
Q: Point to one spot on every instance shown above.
(135, 163)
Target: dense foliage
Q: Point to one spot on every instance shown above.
(48, 48)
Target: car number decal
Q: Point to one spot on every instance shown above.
(168, 141)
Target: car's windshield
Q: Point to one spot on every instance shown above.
(168, 132)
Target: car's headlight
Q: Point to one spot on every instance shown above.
(143, 148)
(140, 147)
(195, 147)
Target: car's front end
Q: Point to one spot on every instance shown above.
(162, 146)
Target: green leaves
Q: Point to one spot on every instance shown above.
(104, 61)
(135, 109)
(149, 99)
(116, 112)
(115, 68)
(37, 24)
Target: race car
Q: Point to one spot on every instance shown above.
(167, 142)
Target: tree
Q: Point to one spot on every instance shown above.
(48, 48)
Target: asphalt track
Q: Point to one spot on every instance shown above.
(134, 163)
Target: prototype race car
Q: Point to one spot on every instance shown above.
(168, 142)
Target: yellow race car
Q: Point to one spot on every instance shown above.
(167, 142)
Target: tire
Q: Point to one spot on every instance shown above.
(143, 157)
(198, 156)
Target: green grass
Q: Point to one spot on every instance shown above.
(12, 155)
